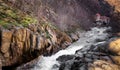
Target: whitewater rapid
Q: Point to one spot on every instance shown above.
(86, 38)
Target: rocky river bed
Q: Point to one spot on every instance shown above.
(90, 52)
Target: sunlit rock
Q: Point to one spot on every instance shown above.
(103, 65)
(114, 46)
(20, 45)
(6, 36)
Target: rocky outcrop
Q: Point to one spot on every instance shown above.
(23, 38)
(20, 45)
(99, 57)
(115, 3)
(103, 65)
(115, 17)
(114, 46)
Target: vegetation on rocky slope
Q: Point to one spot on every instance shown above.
(10, 16)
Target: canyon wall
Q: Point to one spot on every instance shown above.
(65, 14)
(18, 43)
(22, 39)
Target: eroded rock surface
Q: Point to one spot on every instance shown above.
(20, 45)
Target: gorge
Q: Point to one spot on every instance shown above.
(64, 59)
(59, 34)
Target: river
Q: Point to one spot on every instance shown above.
(87, 38)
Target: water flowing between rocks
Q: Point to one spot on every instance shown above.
(87, 38)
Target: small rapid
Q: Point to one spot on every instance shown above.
(87, 38)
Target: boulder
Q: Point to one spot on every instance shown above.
(114, 46)
(65, 58)
(103, 65)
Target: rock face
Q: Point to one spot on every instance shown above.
(20, 45)
(115, 18)
(115, 3)
(66, 14)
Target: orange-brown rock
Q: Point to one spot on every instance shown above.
(116, 59)
(114, 46)
(6, 36)
(115, 3)
(103, 65)
(20, 45)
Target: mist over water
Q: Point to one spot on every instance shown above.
(87, 38)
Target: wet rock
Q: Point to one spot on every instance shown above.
(66, 65)
(65, 58)
(86, 56)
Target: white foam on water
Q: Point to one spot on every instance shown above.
(86, 38)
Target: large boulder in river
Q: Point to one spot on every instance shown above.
(114, 46)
